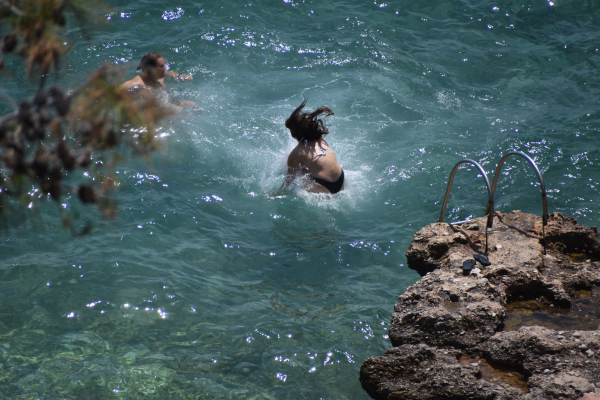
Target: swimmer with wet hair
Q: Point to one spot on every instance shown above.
(313, 157)
(153, 75)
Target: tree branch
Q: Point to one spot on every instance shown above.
(6, 118)
(10, 101)
(11, 7)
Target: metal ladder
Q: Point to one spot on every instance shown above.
(490, 205)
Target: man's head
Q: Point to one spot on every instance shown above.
(153, 64)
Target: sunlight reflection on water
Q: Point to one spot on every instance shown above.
(216, 288)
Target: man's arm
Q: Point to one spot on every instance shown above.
(181, 77)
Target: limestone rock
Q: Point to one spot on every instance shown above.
(447, 317)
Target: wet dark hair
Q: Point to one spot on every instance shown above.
(149, 60)
(305, 125)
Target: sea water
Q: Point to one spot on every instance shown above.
(205, 286)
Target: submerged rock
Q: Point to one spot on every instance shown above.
(450, 332)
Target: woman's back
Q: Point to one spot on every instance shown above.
(313, 156)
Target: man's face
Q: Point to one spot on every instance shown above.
(158, 72)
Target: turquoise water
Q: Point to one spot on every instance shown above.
(204, 287)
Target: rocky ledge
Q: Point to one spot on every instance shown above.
(524, 327)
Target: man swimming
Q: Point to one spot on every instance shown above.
(153, 74)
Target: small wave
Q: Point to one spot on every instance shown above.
(449, 100)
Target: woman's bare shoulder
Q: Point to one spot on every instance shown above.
(294, 155)
(300, 151)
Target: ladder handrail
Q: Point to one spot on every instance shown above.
(449, 186)
(490, 195)
(491, 190)
(537, 171)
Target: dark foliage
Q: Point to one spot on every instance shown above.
(62, 130)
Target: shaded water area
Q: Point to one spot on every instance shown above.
(205, 286)
(497, 374)
(584, 313)
(582, 257)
